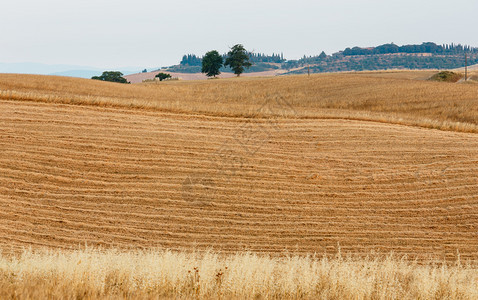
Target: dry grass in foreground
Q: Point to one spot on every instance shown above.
(92, 274)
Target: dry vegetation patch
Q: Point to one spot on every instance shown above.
(92, 274)
(446, 76)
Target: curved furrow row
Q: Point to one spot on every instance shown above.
(71, 175)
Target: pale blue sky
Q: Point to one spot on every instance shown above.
(150, 33)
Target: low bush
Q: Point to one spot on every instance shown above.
(446, 76)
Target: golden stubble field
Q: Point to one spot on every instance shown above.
(365, 163)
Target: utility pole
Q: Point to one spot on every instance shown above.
(308, 70)
(466, 67)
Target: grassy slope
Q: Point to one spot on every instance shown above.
(387, 97)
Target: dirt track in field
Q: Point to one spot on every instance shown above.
(130, 178)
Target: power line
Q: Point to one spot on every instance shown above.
(466, 67)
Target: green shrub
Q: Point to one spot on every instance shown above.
(446, 76)
(162, 76)
(112, 76)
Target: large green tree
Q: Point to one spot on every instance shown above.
(238, 59)
(112, 76)
(211, 63)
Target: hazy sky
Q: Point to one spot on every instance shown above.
(154, 33)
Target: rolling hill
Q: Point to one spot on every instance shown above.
(305, 165)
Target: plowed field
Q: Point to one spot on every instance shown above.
(131, 178)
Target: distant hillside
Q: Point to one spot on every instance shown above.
(388, 56)
(43, 69)
(87, 73)
(340, 62)
(423, 48)
(60, 70)
(191, 63)
(256, 67)
(78, 73)
(140, 77)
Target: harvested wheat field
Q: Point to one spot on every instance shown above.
(358, 162)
